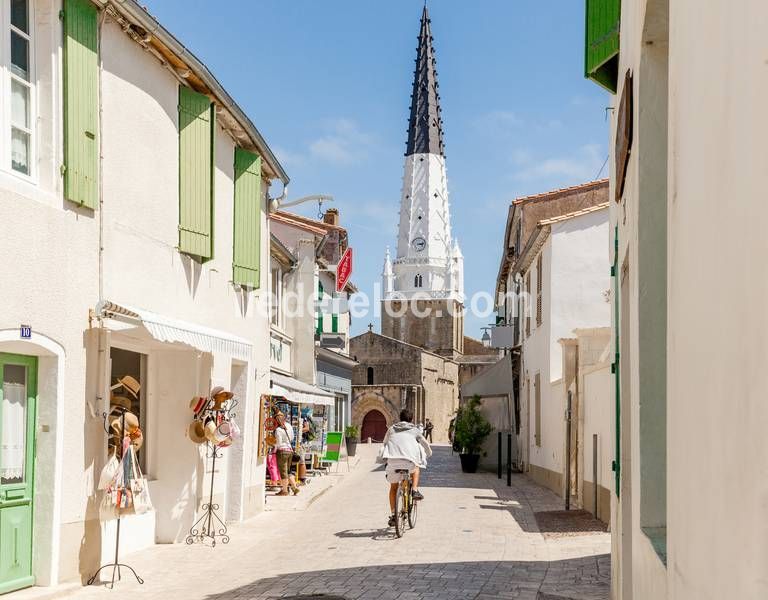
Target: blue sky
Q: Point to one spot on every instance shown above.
(328, 84)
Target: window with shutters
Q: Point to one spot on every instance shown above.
(601, 54)
(537, 408)
(247, 220)
(319, 321)
(528, 304)
(196, 125)
(276, 288)
(18, 88)
(81, 103)
(539, 288)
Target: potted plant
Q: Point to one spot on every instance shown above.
(351, 432)
(470, 431)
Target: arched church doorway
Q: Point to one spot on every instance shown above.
(374, 426)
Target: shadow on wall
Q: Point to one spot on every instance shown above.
(490, 579)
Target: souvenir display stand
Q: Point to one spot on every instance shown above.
(116, 565)
(210, 526)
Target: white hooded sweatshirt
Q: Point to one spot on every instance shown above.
(404, 441)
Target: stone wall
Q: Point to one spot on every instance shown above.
(435, 325)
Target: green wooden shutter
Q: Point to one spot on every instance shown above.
(81, 103)
(601, 55)
(247, 232)
(319, 318)
(335, 323)
(196, 121)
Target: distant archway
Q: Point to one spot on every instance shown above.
(374, 426)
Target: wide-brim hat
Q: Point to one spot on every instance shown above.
(121, 401)
(196, 432)
(219, 396)
(130, 384)
(131, 423)
(198, 404)
(210, 431)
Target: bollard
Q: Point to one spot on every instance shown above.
(594, 469)
(509, 460)
(498, 466)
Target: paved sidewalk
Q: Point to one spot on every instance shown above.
(475, 539)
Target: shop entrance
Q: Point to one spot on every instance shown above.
(374, 426)
(18, 395)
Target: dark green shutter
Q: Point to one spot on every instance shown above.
(247, 231)
(196, 121)
(81, 103)
(319, 318)
(335, 323)
(601, 55)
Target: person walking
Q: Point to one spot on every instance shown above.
(428, 427)
(284, 451)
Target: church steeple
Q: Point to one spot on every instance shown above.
(425, 130)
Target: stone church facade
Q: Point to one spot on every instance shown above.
(421, 356)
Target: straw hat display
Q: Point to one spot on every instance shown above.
(130, 385)
(121, 402)
(211, 422)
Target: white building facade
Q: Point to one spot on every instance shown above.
(134, 193)
(689, 294)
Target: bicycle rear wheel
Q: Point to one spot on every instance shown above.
(399, 510)
(413, 508)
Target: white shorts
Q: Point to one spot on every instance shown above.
(396, 464)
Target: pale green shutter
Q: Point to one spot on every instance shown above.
(247, 231)
(81, 103)
(196, 123)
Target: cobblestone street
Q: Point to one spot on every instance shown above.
(475, 539)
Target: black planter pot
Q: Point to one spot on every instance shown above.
(469, 462)
(351, 447)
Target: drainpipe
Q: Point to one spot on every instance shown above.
(101, 160)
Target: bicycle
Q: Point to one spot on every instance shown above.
(406, 508)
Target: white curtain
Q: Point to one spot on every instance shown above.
(14, 423)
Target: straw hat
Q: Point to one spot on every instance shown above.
(196, 432)
(121, 401)
(219, 396)
(137, 439)
(131, 423)
(130, 384)
(210, 431)
(198, 404)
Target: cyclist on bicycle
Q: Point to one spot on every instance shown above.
(404, 448)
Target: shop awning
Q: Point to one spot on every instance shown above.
(299, 392)
(165, 329)
(494, 381)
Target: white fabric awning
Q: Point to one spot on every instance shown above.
(299, 392)
(165, 329)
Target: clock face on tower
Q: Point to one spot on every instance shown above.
(419, 244)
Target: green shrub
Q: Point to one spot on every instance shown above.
(351, 432)
(471, 427)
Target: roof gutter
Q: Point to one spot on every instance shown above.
(153, 27)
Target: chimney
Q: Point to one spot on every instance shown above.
(331, 216)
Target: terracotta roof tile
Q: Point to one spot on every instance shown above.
(582, 187)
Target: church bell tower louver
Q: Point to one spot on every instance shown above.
(428, 270)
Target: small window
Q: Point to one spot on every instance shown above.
(17, 65)
(418, 281)
(370, 375)
(127, 392)
(276, 297)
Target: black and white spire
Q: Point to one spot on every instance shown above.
(428, 261)
(425, 130)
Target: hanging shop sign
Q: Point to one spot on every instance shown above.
(344, 270)
(280, 353)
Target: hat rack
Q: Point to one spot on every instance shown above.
(210, 526)
(116, 565)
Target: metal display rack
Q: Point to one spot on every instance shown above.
(210, 526)
(116, 565)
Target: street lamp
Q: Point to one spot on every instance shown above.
(486, 339)
(277, 203)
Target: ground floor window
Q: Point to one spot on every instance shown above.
(128, 372)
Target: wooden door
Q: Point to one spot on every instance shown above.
(18, 395)
(374, 426)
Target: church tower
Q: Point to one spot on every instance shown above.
(423, 300)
